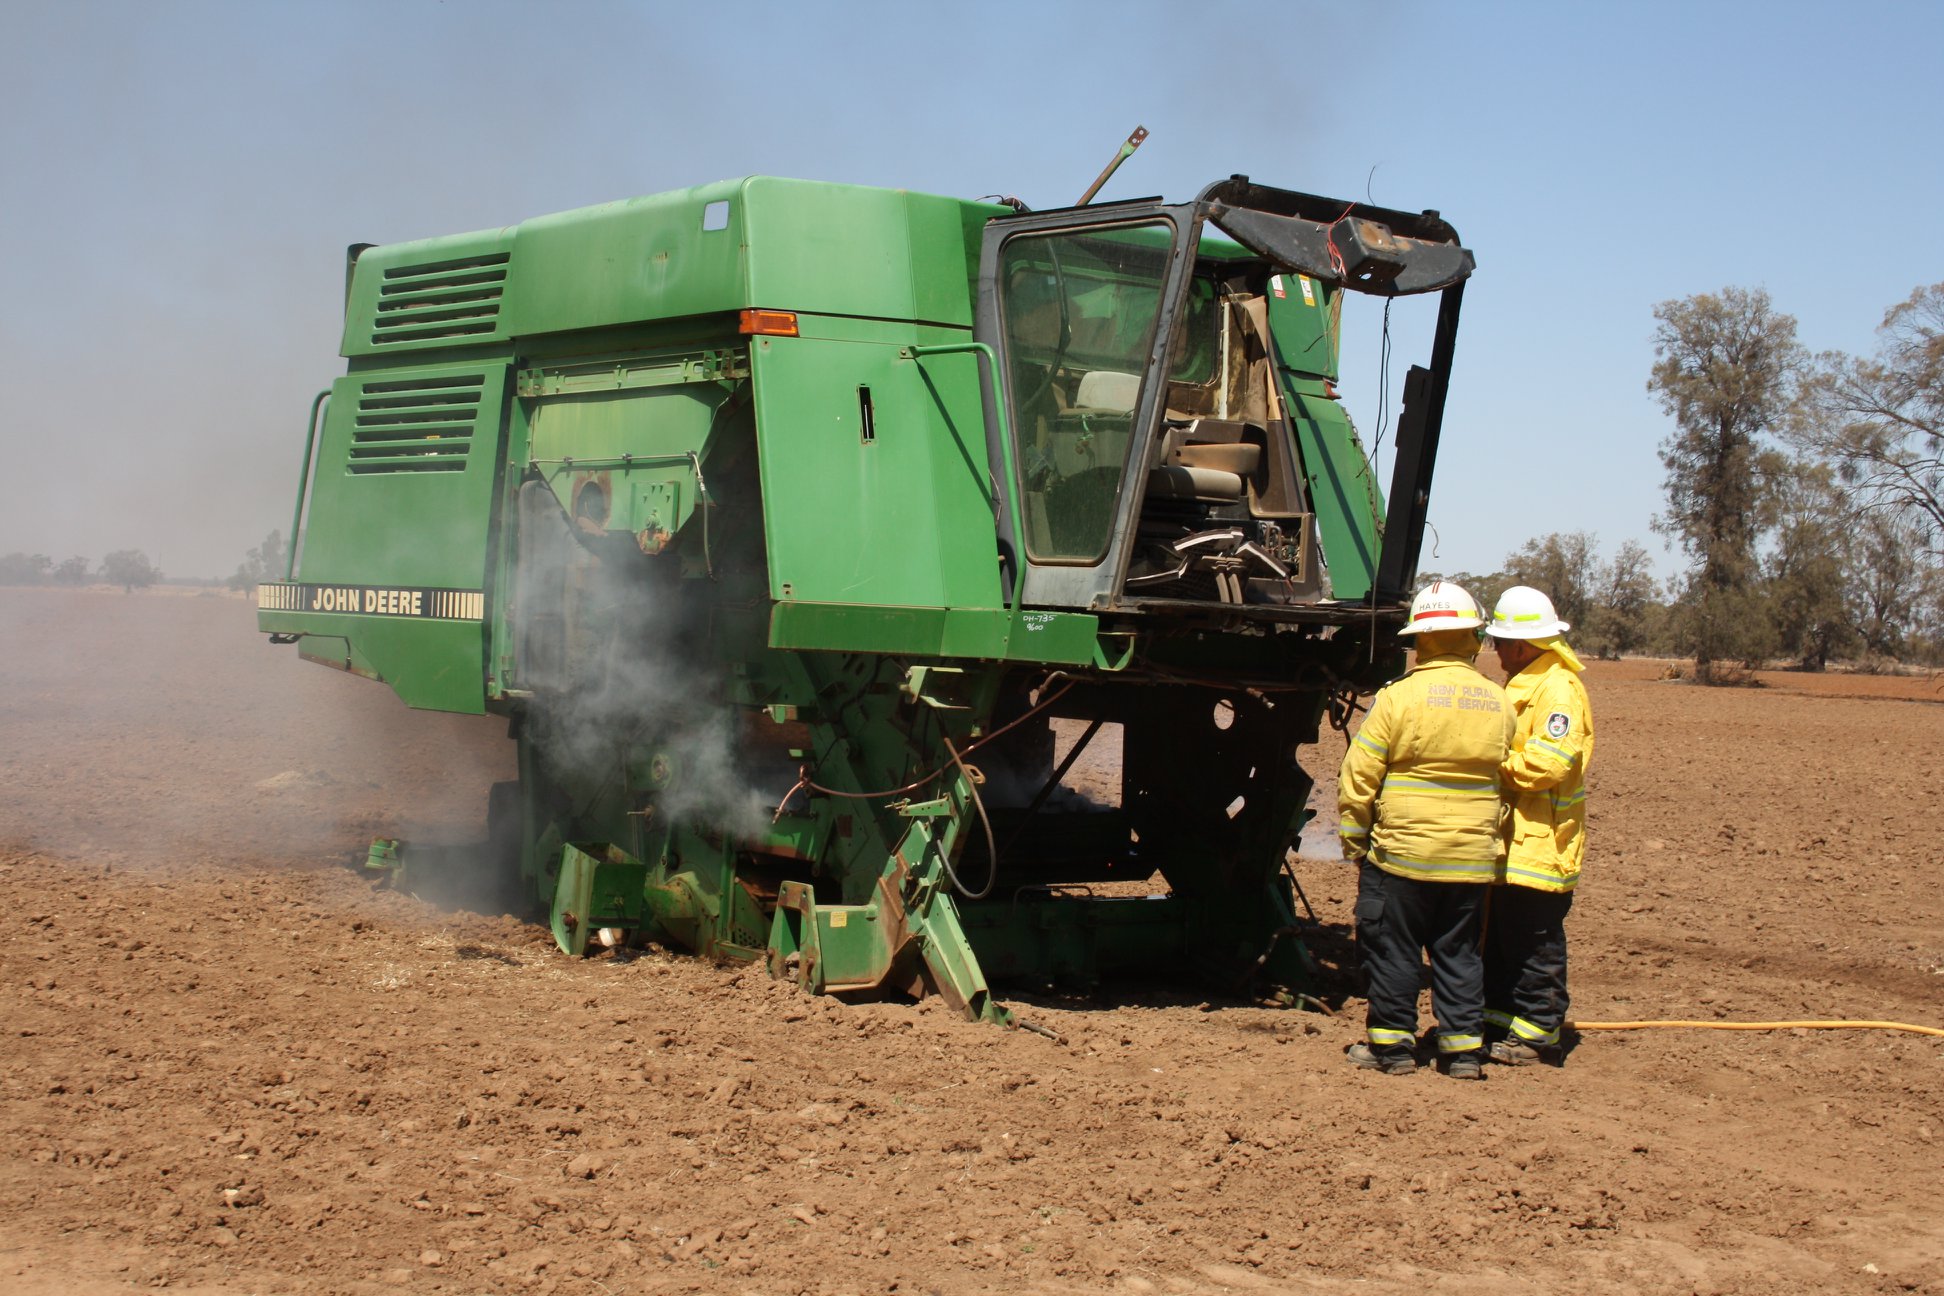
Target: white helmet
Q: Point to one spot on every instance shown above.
(1525, 613)
(1443, 606)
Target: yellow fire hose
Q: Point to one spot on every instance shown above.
(1773, 1025)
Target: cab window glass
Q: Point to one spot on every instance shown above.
(1197, 337)
(1079, 311)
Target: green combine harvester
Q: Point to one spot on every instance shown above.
(782, 519)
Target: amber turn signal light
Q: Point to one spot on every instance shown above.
(769, 323)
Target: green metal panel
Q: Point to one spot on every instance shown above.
(430, 293)
(1065, 638)
(1341, 487)
(903, 519)
(403, 497)
(783, 244)
(410, 451)
(603, 889)
(841, 946)
(1299, 316)
(639, 259)
(633, 424)
(431, 665)
(842, 250)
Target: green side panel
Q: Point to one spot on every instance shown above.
(854, 944)
(1065, 638)
(404, 478)
(925, 632)
(431, 665)
(403, 497)
(1300, 320)
(1341, 486)
(1342, 489)
(901, 517)
(429, 293)
(843, 250)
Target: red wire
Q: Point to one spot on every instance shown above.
(1329, 238)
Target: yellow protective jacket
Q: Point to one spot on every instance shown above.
(1418, 794)
(1545, 775)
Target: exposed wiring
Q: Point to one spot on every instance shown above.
(1329, 244)
(971, 782)
(1383, 389)
(1771, 1025)
(1336, 330)
(917, 783)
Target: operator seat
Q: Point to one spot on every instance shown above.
(1204, 459)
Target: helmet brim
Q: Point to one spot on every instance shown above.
(1528, 630)
(1443, 623)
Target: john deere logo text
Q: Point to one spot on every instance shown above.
(369, 600)
(383, 602)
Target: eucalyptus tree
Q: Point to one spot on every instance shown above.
(1729, 371)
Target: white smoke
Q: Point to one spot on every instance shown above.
(629, 687)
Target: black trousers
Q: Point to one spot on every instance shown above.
(1525, 964)
(1398, 919)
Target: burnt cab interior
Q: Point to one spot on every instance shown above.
(1222, 517)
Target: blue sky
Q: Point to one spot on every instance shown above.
(178, 183)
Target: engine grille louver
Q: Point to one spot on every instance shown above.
(415, 425)
(440, 300)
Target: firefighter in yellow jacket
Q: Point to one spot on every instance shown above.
(1420, 811)
(1545, 782)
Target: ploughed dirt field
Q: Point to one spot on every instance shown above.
(229, 1065)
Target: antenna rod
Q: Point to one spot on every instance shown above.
(1126, 152)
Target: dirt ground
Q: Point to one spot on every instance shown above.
(232, 1066)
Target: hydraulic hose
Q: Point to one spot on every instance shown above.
(992, 846)
(1772, 1025)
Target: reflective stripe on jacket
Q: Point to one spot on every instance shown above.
(1545, 775)
(1418, 792)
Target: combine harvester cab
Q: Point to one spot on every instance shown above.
(783, 520)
